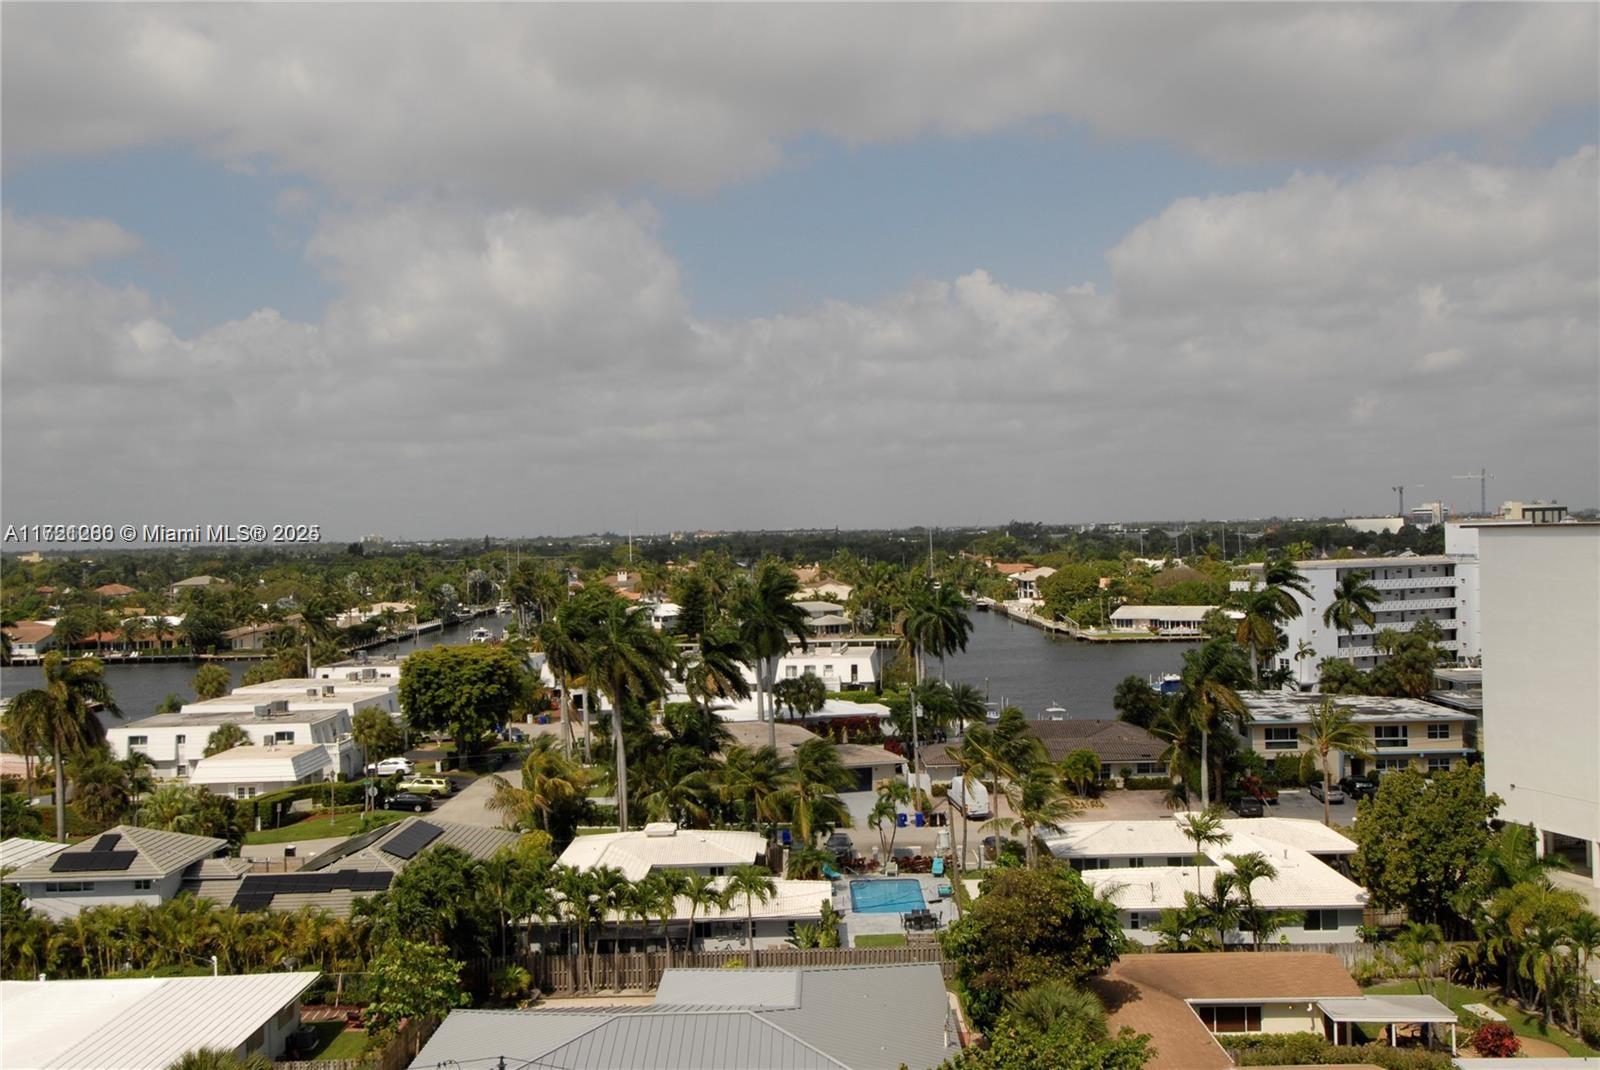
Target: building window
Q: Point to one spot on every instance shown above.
(1321, 920)
(716, 871)
(283, 737)
(138, 741)
(143, 885)
(1392, 765)
(790, 672)
(243, 792)
(1281, 738)
(1438, 765)
(61, 887)
(1230, 1018)
(1134, 920)
(182, 740)
(1176, 860)
(1135, 863)
(1390, 735)
(1438, 731)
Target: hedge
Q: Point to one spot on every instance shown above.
(1147, 783)
(1311, 1049)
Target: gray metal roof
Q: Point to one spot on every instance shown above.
(157, 853)
(835, 1018)
(476, 840)
(16, 852)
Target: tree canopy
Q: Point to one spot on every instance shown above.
(466, 692)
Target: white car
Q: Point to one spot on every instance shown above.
(391, 766)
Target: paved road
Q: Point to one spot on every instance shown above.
(470, 805)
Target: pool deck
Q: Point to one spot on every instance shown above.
(878, 924)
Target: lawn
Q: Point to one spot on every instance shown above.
(881, 940)
(1521, 1022)
(321, 827)
(334, 1041)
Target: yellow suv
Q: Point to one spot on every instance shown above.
(427, 785)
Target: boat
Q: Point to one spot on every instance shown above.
(1054, 712)
(1166, 684)
(503, 609)
(481, 635)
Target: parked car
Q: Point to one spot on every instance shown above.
(427, 785)
(1360, 786)
(1246, 806)
(408, 800)
(1335, 795)
(840, 845)
(391, 766)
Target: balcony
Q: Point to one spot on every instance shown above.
(1422, 582)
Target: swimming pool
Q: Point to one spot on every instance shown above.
(886, 896)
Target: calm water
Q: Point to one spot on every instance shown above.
(1014, 663)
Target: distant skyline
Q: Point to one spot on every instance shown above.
(435, 271)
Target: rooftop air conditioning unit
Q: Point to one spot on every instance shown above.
(262, 712)
(327, 690)
(369, 674)
(661, 828)
(311, 692)
(280, 705)
(352, 675)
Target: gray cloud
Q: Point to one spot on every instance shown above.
(38, 242)
(540, 370)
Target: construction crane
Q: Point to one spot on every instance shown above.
(1483, 477)
(1400, 489)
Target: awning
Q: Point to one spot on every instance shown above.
(1386, 1009)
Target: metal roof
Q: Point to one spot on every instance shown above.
(636, 853)
(157, 853)
(1386, 1009)
(479, 841)
(137, 1023)
(17, 852)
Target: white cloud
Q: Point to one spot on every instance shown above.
(553, 104)
(526, 370)
(38, 242)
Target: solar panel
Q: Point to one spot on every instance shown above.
(257, 893)
(408, 842)
(92, 861)
(108, 842)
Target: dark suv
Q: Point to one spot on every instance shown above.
(1360, 786)
(1246, 806)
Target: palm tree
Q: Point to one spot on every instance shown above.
(1044, 1005)
(768, 616)
(969, 766)
(1352, 602)
(65, 707)
(1247, 869)
(1080, 769)
(218, 1059)
(934, 621)
(629, 661)
(1038, 802)
(1207, 697)
(548, 779)
(701, 892)
(754, 883)
(1257, 630)
(1219, 909)
(966, 704)
(713, 669)
(1583, 941)
(608, 890)
(661, 889)
(1285, 580)
(27, 732)
(885, 815)
(753, 780)
(1418, 946)
(568, 658)
(1204, 829)
(1332, 728)
(226, 737)
(811, 794)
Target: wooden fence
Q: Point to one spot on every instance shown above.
(564, 975)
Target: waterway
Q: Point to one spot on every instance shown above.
(1012, 663)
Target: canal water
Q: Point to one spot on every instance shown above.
(1013, 663)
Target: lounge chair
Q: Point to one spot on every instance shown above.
(946, 891)
(900, 820)
(891, 869)
(938, 866)
(831, 873)
(783, 835)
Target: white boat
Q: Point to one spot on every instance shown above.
(503, 609)
(481, 635)
(1054, 712)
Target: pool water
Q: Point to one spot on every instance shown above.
(886, 896)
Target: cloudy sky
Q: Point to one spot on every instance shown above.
(428, 271)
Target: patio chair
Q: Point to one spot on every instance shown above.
(938, 866)
(891, 869)
(946, 891)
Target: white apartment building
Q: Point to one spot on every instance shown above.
(279, 713)
(1441, 588)
(1146, 867)
(1541, 688)
(1405, 733)
(362, 670)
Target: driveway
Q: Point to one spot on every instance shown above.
(470, 806)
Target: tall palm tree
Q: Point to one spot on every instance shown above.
(966, 704)
(811, 793)
(1330, 728)
(969, 767)
(1207, 697)
(934, 622)
(768, 616)
(549, 778)
(1352, 603)
(65, 708)
(1039, 803)
(712, 670)
(1203, 829)
(753, 883)
(1284, 579)
(752, 780)
(661, 889)
(562, 641)
(1247, 869)
(701, 892)
(629, 660)
(1257, 629)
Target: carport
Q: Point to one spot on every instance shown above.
(1391, 1011)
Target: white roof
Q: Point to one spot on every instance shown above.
(794, 899)
(745, 709)
(636, 853)
(1386, 1009)
(1035, 574)
(260, 764)
(136, 1024)
(16, 851)
(1184, 613)
(1295, 707)
(819, 607)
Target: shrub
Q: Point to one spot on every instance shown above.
(1496, 1041)
(1147, 783)
(1589, 1027)
(1311, 1049)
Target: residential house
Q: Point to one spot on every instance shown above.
(115, 590)
(195, 583)
(827, 591)
(243, 772)
(825, 620)
(663, 845)
(804, 1018)
(147, 1023)
(1541, 698)
(1406, 733)
(361, 866)
(1146, 867)
(1164, 621)
(253, 636)
(1027, 583)
(1123, 749)
(1190, 1005)
(280, 712)
(31, 639)
(16, 851)
(362, 669)
(121, 867)
(869, 764)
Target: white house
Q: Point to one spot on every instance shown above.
(31, 639)
(1159, 620)
(1541, 687)
(870, 765)
(147, 1023)
(245, 772)
(1027, 582)
(362, 670)
(663, 845)
(723, 928)
(1147, 866)
(281, 713)
(1412, 588)
(122, 867)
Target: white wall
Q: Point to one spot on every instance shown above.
(103, 893)
(1349, 922)
(1541, 678)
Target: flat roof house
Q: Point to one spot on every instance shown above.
(121, 867)
(1406, 733)
(147, 1023)
(1165, 621)
(817, 1018)
(663, 845)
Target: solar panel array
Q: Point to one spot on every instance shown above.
(407, 842)
(93, 861)
(256, 893)
(108, 842)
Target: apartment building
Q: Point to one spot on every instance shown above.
(1406, 733)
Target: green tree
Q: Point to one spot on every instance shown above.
(1029, 926)
(803, 694)
(412, 980)
(1038, 803)
(752, 883)
(1014, 1045)
(767, 618)
(1204, 830)
(1080, 770)
(65, 708)
(629, 661)
(1352, 603)
(1419, 841)
(1136, 702)
(219, 1059)
(751, 781)
(211, 681)
(466, 692)
(561, 637)
(226, 737)
(1044, 1006)
(1207, 697)
(549, 779)
(377, 734)
(810, 795)
(713, 670)
(1333, 728)
(934, 622)
(1260, 922)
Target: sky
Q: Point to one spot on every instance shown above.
(428, 271)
